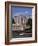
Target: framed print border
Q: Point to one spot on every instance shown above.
(7, 22)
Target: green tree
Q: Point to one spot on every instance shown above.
(13, 22)
(29, 22)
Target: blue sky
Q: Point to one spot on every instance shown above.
(15, 10)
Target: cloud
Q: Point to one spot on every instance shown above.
(26, 12)
(19, 13)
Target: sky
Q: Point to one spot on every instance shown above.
(17, 10)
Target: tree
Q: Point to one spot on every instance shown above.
(13, 21)
(29, 22)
